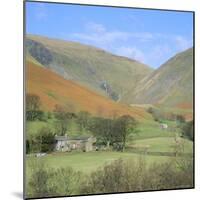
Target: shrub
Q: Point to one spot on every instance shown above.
(188, 130)
(42, 142)
(46, 182)
(127, 176)
(27, 146)
(45, 139)
(37, 185)
(32, 115)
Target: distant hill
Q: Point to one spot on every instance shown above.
(98, 70)
(54, 89)
(170, 85)
(119, 78)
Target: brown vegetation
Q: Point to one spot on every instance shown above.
(53, 89)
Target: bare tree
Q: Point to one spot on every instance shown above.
(33, 102)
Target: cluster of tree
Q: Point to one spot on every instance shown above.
(62, 118)
(42, 142)
(118, 176)
(108, 132)
(187, 130)
(159, 115)
(33, 111)
(48, 182)
(113, 132)
(127, 176)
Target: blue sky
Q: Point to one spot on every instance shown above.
(149, 36)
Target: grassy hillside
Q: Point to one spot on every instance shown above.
(54, 89)
(170, 85)
(107, 74)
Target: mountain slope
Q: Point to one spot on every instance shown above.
(107, 74)
(54, 89)
(171, 84)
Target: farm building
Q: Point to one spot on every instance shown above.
(65, 143)
(163, 126)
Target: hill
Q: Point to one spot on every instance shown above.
(169, 85)
(54, 89)
(96, 69)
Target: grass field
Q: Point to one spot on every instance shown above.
(152, 130)
(163, 144)
(90, 161)
(149, 135)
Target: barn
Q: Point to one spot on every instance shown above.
(66, 143)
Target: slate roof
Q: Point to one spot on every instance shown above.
(65, 138)
(61, 138)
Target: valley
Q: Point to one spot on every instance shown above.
(75, 90)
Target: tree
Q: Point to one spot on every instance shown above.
(113, 131)
(45, 139)
(49, 115)
(33, 104)
(27, 146)
(63, 118)
(32, 115)
(83, 119)
(157, 114)
(107, 126)
(102, 128)
(124, 126)
(136, 175)
(180, 118)
(188, 130)
(38, 180)
(150, 110)
(47, 182)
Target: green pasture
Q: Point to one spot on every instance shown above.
(150, 136)
(88, 161)
(164, 144)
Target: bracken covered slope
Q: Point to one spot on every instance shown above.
(54, 89)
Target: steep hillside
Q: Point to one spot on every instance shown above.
(170, 85)
(54, 89)
(107, 74)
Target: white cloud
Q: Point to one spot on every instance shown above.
(94, 27)
(41, 12)
(143, 36)
(99, 35)
(147, 47)
(114, 41)
(101, 38)
(131, 52)
(182, 43)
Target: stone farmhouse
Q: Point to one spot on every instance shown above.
(65, 143)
